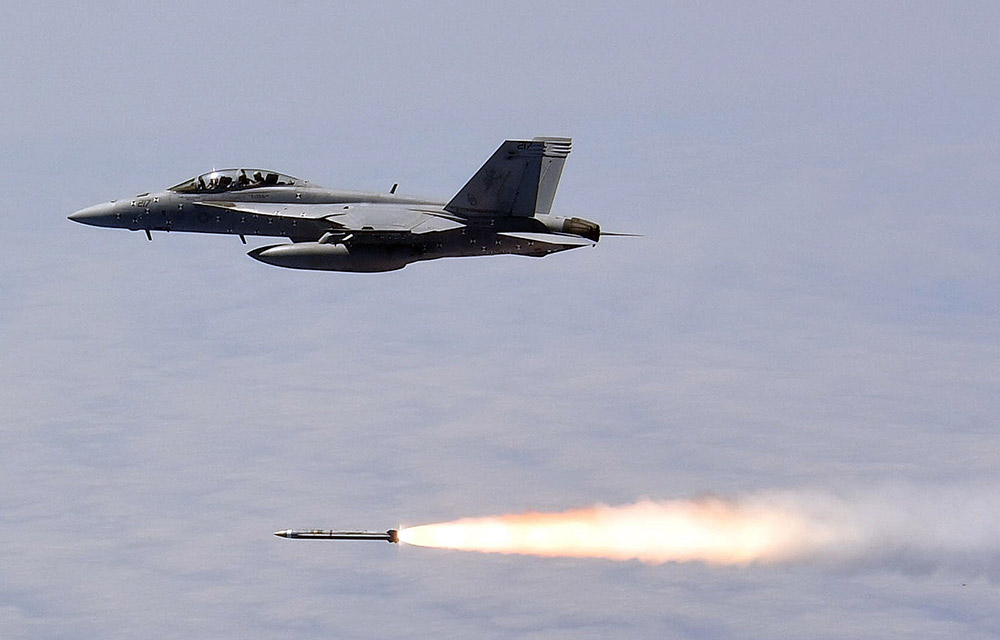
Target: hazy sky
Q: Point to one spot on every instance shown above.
(813, 307)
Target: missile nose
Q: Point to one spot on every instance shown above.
(283, 534)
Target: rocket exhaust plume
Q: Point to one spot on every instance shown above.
(911, 530)
(710, 530)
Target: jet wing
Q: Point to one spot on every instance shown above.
(313, 211)
(361, 218)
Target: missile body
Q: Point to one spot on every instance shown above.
(322, 534)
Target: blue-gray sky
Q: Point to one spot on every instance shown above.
(813, 306)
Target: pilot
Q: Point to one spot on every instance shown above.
(243, 181)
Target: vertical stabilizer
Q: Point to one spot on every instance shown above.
(519, 179)
(556, 150)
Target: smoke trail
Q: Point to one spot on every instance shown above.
(906, 529)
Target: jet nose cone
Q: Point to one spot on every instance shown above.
(99, 215)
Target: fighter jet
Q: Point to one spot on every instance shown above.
(504, 208)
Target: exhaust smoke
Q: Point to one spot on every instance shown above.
(906, 529)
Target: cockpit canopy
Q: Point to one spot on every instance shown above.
(235, 180)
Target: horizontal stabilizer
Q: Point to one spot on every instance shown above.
(556, 239)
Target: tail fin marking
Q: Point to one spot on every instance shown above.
(519, 179)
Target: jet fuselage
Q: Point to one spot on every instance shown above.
(503, 209)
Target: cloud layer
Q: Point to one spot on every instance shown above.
(812, 305)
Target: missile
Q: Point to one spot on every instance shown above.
(322, 534)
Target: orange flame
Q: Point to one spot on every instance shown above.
(710, 530)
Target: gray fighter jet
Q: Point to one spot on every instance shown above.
(504, 208)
